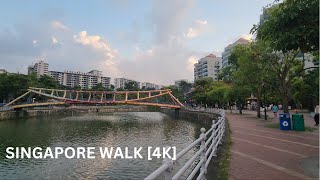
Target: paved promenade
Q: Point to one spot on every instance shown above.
(259, 152)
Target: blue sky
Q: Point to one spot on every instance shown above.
(155, 41)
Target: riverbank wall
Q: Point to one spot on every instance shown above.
(71, 111)
(194, 116)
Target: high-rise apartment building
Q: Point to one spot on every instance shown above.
(148, 85)
(40, 68)
(227, 50)
(120, 83)
(83, 80)
(207, 67)
(266, 13)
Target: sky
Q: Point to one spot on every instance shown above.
(155, 41)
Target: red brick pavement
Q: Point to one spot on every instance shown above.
(259, 152)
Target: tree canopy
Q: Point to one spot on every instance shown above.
(292, 25)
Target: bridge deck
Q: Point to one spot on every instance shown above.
(97, 102)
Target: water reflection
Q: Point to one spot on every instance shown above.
(135, 129)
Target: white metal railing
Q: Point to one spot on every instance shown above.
(208, 148)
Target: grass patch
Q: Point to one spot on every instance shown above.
(219, 166)
(277, 126)
(273, 125)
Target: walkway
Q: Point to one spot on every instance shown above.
(259, 152)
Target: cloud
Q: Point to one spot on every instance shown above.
(58, 25)
(202, 22)
(161, 58)
(94, 40)
(59, 45)
(101, 46)
(167, 17)
(54, 40)
(168, 57)
(34, 43)
(198, 27)
(192, 33)
(191, 61)
(247, 36)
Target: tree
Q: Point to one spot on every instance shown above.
(185, 88)
(253, 69)
(305, 89)
(292, 25)
(176, 92)
(238, 94)
(207, 91)
(216, 94)
(12, 85)
(131, 86)
(201, 88)
(227, 73)
(46, 81)
(98, 87)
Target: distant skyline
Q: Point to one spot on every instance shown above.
(154, 41)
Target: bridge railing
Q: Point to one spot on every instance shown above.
(208, 141)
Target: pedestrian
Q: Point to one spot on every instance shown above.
(316, 115)
(275, 110)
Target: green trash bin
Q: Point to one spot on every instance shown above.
(297, 122)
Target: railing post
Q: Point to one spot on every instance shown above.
(214, 137)
(114, 96)
(77, 95)
(203, 154)
(101, 97)
(126, 98)
(223, 126)
(168, 172)
(64, 94)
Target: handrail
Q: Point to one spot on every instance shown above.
(204, 154)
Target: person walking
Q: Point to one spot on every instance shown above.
(275, 110)
(316, 115)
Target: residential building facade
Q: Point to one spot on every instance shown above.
(3, 71)
(227, 50)
(208, 66)
(119, 83)
(41, 68)
(83, 80)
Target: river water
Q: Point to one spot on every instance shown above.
(131, 129)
